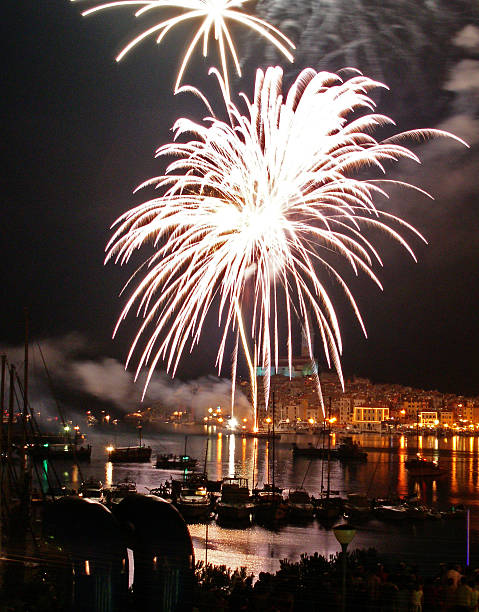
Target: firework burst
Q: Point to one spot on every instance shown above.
(214, 16)
(251, 210)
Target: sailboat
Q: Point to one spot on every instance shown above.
(270, 507)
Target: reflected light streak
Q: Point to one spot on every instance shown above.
(231, 455)
(219, 457)
(255, 462)
(266, 463)
(75, 474)
(108, 473)
(454, 483)
(402, 477)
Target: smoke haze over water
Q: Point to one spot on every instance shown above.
(105, 379)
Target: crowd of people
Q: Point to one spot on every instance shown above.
(315, 583)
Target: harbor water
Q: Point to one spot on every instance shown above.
(426, 543)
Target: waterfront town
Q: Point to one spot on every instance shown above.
(362, 407)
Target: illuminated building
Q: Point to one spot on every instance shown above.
(369, 418)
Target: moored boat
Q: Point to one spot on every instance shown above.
(129, 454)
(194, 503)
(357, 507)
(349, 451)
(92, 489)
(67, 452)
(269, 505)
(391, 512)
(300, 506)
(175, 462)
(118, 491)
(311, 451)
(420, 467)
(235, 504)
(328, 509)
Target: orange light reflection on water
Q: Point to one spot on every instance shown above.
(108, 473)
(231, 455)
(219, 457)
(402, 475)
(75, 475)
(454, 487)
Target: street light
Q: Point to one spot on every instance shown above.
(344, 534)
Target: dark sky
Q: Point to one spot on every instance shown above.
(80, 133)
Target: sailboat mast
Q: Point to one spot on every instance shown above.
(206, 454)
(25, 383)
(273, 448)
(10, 413)
(2, 401)
(329, 449)
(417, 431)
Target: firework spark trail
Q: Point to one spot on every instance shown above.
(255, 206)
(214, 15)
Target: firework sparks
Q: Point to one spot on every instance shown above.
(214, 16)
(251, 212)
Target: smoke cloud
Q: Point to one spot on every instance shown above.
(106, 379)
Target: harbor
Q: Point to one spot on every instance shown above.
(260, 547)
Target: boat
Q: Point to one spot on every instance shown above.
(300, 506)
(175, 462)
(310, 451)
(420, 467)
(349, 451)
(68, 451)
(270, 508)
(59, 492)
(397, 512)
(195, 479)
(118, 491)
(328, 508)
(457, 511)
(357, 507)
(129, 454)
(260, 434)
(235, 504)
(92, 489)
(346, 451)
(194, 503)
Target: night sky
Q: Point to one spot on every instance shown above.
(80, 133)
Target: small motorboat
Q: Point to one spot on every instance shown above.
(300, 506)
(194, 503)
(175, 462)
(235, 505)
(92, 489)
(349, 451)
(420, 467)
(118, 491)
